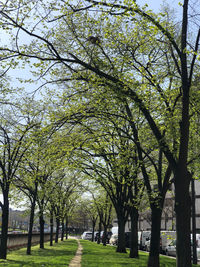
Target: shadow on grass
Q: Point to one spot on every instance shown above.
(96, 255)
(58, 255)
(14, 263)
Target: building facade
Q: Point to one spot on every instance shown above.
(168, 221)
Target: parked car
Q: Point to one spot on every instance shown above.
(147, 245)
(139, 237)
(96, 236)
(166, 238)
(95, 233)
(144, 236)
(198, 248)
(114, 239)
(101, 235)
(16, 232)
(171, 249)
(87, 235)
(114, 230)
(108, 236)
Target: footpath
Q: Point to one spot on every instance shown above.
(76, 261)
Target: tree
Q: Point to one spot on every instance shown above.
(14, 132)
(107, 156)
(125, 84)
(102, 207)
(178, 165)
(44, 165)
(62, 194)
(29, 187)
(90, 208)
(26, 178)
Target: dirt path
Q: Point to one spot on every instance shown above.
(76, 261)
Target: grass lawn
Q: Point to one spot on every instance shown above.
(97, 255)
(59, 254)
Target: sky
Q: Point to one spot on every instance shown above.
(155, 4)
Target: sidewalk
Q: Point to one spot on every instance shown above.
(76, 261)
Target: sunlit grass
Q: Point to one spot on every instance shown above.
(98, 255)
(94, 255)
(59, 254)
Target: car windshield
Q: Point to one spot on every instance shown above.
(173, 243)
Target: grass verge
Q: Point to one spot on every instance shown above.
(59, 254)
(97, 255)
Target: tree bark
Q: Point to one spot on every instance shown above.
(99, 236)
(41, 231)
(63, 231)
(156, 213)
(31, 220)
(181, 175)
(93, 228)
(4, 229)
(121, 235)
(183, 215)
(51, 228)
(104, 236)
(66, 227)
(194, 244)
(57, 229)
(134, 233)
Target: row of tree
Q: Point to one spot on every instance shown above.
(123, 105)
(33, 171)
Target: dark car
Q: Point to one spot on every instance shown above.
(96, 236)
(108, 236)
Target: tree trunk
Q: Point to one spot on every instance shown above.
(104, 235)
(183, 215)
(57, 229)
(66, 227)
(63, 231)
(31, 220)
(99, 236)
(121, 247)
(41, 231)
(134, 233)
(194, 244)
(93, 228)
(4, 230)
(182, 176)
(51, 228)
(156, 213)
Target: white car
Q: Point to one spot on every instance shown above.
(114, 239)
(171, 249)
(166, 238)
(87, 236)
(147, 245)
(143, 237)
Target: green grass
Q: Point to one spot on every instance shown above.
(93, 255)
(97, 255)
(59, 254)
